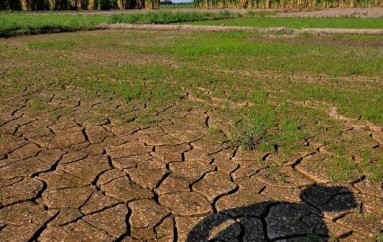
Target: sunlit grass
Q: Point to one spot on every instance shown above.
(263, 22)
(51, 22)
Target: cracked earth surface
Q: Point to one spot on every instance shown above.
(76, 176)
(65, 178)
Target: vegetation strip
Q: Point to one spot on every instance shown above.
(13, 24)
(20, 23)
(244, 29)
(166, 27)
(251, 19)
(35, 5)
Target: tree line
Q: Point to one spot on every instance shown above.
(33, 5)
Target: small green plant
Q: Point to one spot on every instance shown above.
(271, 170)
(252, 139)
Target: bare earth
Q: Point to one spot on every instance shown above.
(199, 28)
(82, 176)
(66, 178)
(168, 27)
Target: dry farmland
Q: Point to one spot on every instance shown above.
(171, 133)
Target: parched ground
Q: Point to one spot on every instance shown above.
(71, 169)
(272, 30)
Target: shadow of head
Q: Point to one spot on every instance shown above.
(329, 198)
(264, 219)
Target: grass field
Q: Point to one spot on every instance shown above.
(373, 23)
(274, 93)
(19, 21)
(11, 23)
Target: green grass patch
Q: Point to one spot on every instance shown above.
(264, 22)
(168, 17)
(10, 22)
(50, 22)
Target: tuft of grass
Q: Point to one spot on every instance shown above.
(343, 169)
(238, 96)
(372, 165)
(258, 97)
(132, 90)
(253, 138)
(254, 129)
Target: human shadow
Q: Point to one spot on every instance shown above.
(277, 220)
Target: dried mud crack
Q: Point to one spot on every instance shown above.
(155, 183)
(84, 174)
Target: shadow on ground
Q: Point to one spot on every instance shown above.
(277, 220)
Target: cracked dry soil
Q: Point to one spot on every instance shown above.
(64, 179)
(72, 177)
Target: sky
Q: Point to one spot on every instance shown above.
(181, 1)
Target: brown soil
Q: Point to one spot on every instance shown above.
(89, 176)
(246, 29)
(66, 178)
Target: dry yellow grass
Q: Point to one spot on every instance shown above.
(285, 4)
(31, 5)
